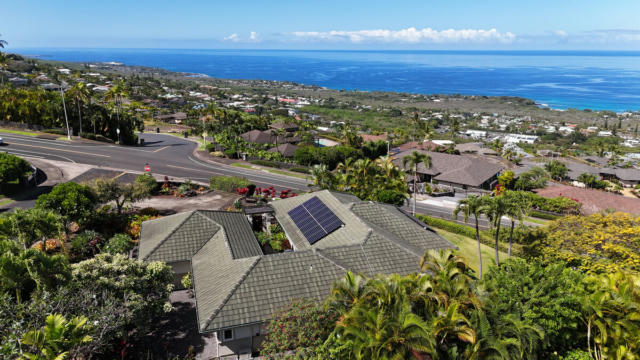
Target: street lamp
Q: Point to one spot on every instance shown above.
(66, 120)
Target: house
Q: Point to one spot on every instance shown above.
(593, 201)
(18, 81)
(605, 133)
(459, 171)
(475, 148)
(265, 137)
(288, 127)
(176, 117)
(417, 145)
(518, 138)
(287, 150)
(476, 134)
(237, 287)
(374, 138)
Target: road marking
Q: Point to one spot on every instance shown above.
(162, 148)
(122, 173)
(28, 153)
(185, 168)
(71, 151)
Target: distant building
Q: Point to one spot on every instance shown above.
(476, 134)
(520, 138)
(18, 81)
(605, 133)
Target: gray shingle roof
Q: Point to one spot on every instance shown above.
(236, 286)
(354, 230)
(178, 237)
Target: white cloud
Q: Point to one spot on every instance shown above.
(409, 35)
(233, 37)
(560, 33)
(253, 36)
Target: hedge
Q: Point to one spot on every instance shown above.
(265, 163)
(228, 183)
(302, 170)
(464, 230)
(543, 215)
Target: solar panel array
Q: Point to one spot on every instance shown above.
(314, 219)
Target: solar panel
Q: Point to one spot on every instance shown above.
(314, 219)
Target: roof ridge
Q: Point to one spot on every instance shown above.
(169, 235)
(232, 292)
(326, 257)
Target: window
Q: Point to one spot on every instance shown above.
(227, 335)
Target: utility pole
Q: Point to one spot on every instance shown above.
(204, 134)
(64, 107)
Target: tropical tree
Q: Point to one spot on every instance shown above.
(74, 202)
(323, 177)
(108, 190)
(27, 227)
(3, 43)
(57, 339)
(518, 206)
(454, 126)
(473, 205)
(416, 158)
(80, 94)
(116, 94)
(556, 169)
(496, 208)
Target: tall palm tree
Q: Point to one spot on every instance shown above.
(473, 205)
(275, 134)
(518, 207)
(80, 93)
(323, 177)
(496, 208)
(455, 127)
(413, 160)
(3, 43)
(345, 293)
(116, 94)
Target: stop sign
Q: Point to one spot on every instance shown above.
(147, 168)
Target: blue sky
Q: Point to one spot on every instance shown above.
(328, 24)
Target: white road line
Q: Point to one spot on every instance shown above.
(63, 150)
(38, 155)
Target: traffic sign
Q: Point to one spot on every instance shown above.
(147, 168)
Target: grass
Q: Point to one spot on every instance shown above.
(5, 201)
(469, 249)
(536, 220)
(273, 171)
(18, 132)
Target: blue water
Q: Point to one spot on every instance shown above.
(606, 80)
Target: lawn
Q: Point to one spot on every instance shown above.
(18, 132)
(469, 249)
(5, 201)
(536, 220)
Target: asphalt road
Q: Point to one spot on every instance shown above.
(166, 155)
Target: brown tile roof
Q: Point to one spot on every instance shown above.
(287, 150)
(369, 137)
(457, 169)
(418, 145)
(593, 201)
(265, 137)
(285, 126)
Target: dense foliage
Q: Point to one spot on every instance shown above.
(595, 243)
(12, 168)
(227, 183)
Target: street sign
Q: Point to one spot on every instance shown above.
(147, 168)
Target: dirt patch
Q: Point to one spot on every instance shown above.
(214, 200)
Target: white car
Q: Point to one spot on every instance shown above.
(1, 141)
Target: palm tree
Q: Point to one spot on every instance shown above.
(275, 133)
(455, 127)
(345, 293)
(323, 177)
(495, 210)
(518, 207)
(57, 338)
(472, 205)
(415, 159)
(3, 43)
(80, 94)
(116, 94)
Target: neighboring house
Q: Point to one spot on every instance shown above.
(287, 150)
(176, 117)
(518, 138)
(593, 201)
(627, 177)
(265, 137)
(288, 127)
(237, 287)
(18, 81)
(417, 145)
(464, 172)
(475, 148)
(374, 138)
(476, 134)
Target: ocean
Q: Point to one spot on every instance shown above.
(600, 80)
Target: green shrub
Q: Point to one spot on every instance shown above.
(265, 163)
(543, 215)
(55, 131)
(227, 183)
(90, 136)
(210, 147)
(392, 197)
(187, 281)
(231, 153)
(301, 170)
(119, 244)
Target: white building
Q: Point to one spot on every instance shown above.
(476, 134)
(518, 138)
(605, 133)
